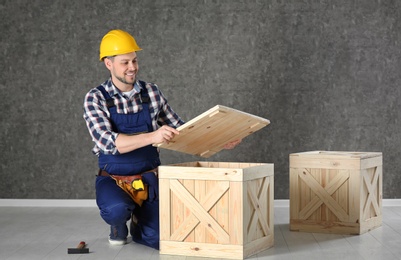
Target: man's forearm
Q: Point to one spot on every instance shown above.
(127, 143)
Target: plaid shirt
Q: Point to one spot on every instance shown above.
(97, 115)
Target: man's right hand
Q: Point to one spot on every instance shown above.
(164, 134)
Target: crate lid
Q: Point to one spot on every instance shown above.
(338, 154)
(207, 133)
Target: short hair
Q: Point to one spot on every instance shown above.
(110, 57)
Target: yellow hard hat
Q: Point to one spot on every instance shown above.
(117, 42)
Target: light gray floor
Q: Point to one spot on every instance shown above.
(47, 232)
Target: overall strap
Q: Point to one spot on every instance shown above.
(144, 92)
(109, 100)
(145, 100)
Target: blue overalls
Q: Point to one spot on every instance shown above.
(115, 205)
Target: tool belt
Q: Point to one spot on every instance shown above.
(131, 184)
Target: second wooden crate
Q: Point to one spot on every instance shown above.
(335, 192)
(216, 209)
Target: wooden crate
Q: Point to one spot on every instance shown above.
(216, 209)
(335, 192)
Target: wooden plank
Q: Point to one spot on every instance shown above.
(190, 186)
(325, 227)
(207, 133)
(270, 202)
(202, 250)
(259, 245)
(178, 207)
(371, 208)
(236, 213)
(252, 207)
(258, 195)
(217, 171)
(324, 163)
(355, 194)
(335, 160)
(201, 196)
(164, 209)
(372, 162)
(200, 173)
(339, 154)
(255, 171)
(380, 188)
(294, 193)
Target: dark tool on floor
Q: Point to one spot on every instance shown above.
(80, 249)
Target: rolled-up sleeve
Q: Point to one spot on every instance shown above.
(98, 123)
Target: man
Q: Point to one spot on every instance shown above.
(125, 116)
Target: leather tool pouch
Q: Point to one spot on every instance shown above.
(134, 186)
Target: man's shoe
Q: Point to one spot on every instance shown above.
(118, 242)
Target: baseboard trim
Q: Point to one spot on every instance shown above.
(92, 203)
(46, 203)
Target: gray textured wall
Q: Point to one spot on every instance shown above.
(326, 73)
